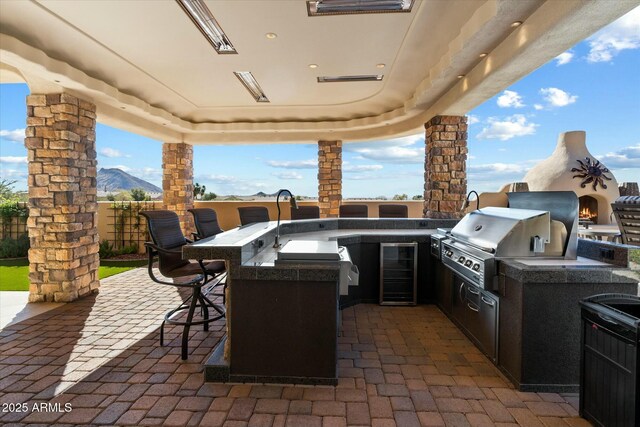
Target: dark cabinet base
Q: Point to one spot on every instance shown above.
(283, 332)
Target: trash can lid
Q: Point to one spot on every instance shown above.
(623, 308)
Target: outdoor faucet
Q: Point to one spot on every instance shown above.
(465, 205)
(292, 199)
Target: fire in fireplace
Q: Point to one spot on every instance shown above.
(588, 209)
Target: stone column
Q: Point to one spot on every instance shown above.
(62, 224)
(445, 177)
(177, 182)
(329, 178)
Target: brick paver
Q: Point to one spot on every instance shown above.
(399, 367)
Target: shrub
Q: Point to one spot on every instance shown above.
(107, 250)
(14, 248)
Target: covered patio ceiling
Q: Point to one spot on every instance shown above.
(149, 70)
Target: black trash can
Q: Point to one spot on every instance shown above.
(609, 386)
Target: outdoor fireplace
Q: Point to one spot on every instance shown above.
(571, 167)
(588, 209)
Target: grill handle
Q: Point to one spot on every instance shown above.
(472, 308)
(455, 239)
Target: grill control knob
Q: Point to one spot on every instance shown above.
(468, 263)
(461, 259)
(476, 267)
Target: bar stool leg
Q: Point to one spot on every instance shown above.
(185, 332)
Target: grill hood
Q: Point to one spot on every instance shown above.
(505, 232)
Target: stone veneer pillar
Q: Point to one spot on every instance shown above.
(62, 224)
(177, 182)
(445, 177)
(329, 178)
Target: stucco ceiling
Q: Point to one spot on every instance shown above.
(150, 70)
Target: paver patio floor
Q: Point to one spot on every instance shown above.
(399, 366)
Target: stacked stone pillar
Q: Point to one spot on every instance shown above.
(177, 182)
(62, 224)
(445, 174)
(329, 178)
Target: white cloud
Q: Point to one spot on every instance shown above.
(564, 58)
(288, 175)
(557, 97)
(618, 36)
(16, 135)
(626, 158)
(360, 168)
(510, 98)
(538, 106)
(508, 128)
(496, 174)
(13, 159)
(112, 153)
(471, 119)
(231, 185)
(409, 149)
(293, 164)
(19, 175)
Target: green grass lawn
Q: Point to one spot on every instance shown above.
(14, 274)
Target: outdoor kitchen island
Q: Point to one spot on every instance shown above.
(283, 318)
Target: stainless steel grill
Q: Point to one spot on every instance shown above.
(472, 246)
(483, 237)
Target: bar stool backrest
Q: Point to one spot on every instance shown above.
(393, 211)
(354, 211)
(251, 214)
(206, 222)
(165, 232)
(305, 212)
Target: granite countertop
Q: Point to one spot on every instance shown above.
(550, 271)
(249, 253)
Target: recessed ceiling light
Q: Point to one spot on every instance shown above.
(380, 65)
(460, 76)
(271, 35)
(357, 78)
(123, 107)
(343, 7)
(313, 65)
(516, 24)
(252, 85)
(207, 24)
(57, 81)
(482, 55)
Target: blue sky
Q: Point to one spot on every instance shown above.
(594, 86)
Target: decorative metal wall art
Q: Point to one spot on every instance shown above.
(591, 173)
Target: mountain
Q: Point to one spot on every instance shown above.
(114, 180)
(263, 194)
